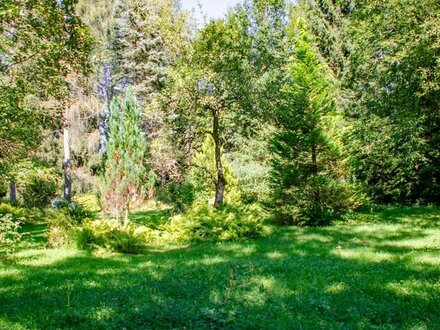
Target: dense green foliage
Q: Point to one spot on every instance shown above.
(202, 224)
(36, 184)
(41, 43)
(396, 60)
(309, 182)
(300, 103)
(10, 221)
(123, 183)
(188, 146)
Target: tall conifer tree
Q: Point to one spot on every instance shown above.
(125, 169)
(147, 36)
(138, 46)
(306, 164)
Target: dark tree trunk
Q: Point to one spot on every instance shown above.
(66, 166)
(220, 182)
(12, 192)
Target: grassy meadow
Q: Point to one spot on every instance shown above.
(379, 270)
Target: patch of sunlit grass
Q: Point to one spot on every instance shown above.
(382, 274)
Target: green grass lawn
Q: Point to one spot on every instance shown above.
(381, 271)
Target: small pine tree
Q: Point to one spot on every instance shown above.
(125, 175)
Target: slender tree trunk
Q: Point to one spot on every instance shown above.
(12, 192)
(220, 182)
(105, 95)
(126, 218)
(66, 166)
(118, 217)
(127, 212)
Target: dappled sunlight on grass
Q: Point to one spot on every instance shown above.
(336, 288)
(238, 250)
(429, 259)
(363, 255)
(103, 313)
(413, 288)
(44, 257)
(314, 237)
(255, 297)
(214, 260)
(276, 255)
(6, 324)
(378, 275)
(420, 216)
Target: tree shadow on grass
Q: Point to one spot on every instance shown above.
(34, 235)
(297, 279)
(422, 216)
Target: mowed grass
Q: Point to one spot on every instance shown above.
(380, 271)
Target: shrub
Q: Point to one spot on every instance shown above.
(205, 223)
(197, 224)
(64, 221)
(21, 214)
(78, 213)
(319, 202)
(15, 212)
(61, 229)
(90, 202)
(204, 169)
(3, 188)
(9, 235)
(179, 195)
(75, 211)
(59, 203)
(108, 235)
(36, 185)
(253, 180)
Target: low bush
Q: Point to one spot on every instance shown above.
(109, 235)
(15, 212)
(24, 215)
(75, 211)
(318, 203)
(61, 229)
(253, 181)
(195, 225)
(3, 187)
(9, 235)
(78, 213)
(64, 220)
(205, 223)
(179, 195)
(90, 202)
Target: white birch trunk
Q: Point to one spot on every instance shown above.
(66, 166)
